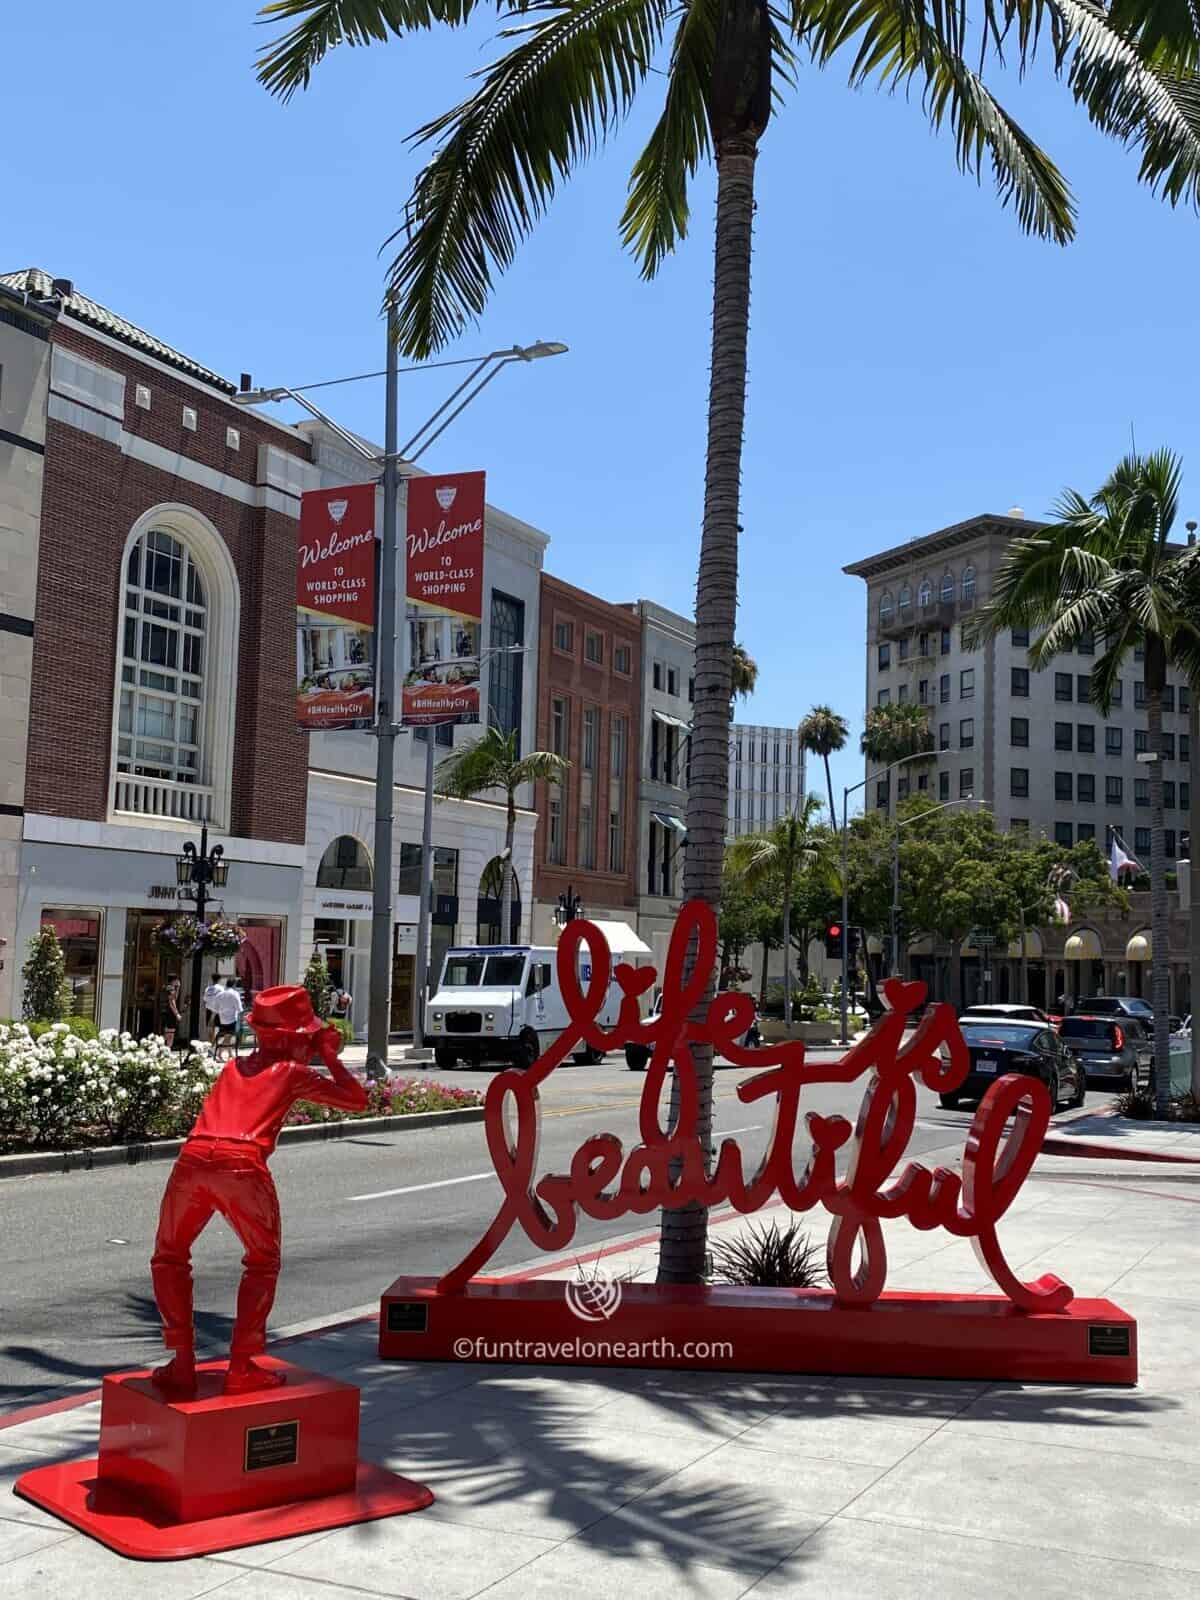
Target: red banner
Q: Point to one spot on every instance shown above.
(444, 590)
(335, 608)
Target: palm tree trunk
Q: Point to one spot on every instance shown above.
(1159, 919)
(510, 834)
(685, 1232)
(833, 816)
(762, 988)
(787, 948)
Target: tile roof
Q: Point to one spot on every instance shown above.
(38, 283)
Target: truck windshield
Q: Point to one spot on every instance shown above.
(504, 971)
(463, 972)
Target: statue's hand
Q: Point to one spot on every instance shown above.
(329, 1044)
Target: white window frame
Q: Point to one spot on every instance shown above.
(211, 556)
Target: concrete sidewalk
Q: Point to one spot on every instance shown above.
(599, 1483)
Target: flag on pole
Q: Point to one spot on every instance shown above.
(1119, 860)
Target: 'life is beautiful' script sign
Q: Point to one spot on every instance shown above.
(671, 1166)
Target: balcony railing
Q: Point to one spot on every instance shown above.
(158, 797)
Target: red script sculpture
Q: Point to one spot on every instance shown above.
(223, 1167)
(669, 1167)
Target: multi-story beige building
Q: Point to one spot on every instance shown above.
(1029, 745)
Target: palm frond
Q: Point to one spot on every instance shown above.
(562, 88)
(287, 63)
(904, 41)
(656, 213)
(539, 766)
(1142, 94)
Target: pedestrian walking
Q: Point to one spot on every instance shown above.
(229, 1010)
(169, 1015)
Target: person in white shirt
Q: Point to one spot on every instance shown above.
(210, 1006)
(228, 1007)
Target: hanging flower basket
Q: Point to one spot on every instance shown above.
(223, 938)
(178, 939)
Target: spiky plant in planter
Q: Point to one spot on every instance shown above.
(46, 996)
(769, 1257)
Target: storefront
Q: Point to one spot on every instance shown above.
(105, 905)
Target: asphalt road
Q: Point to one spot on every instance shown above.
(75, 1299)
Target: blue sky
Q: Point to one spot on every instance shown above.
(914, 359)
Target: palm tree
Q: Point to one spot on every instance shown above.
(894, 733)
(1105, 568)
(787, 849)
(822, 733)
(494, 761)
(745, 673)
(574, 69)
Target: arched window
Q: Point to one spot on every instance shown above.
(925, 594)
(345, 865)
(906, 598)
(174, 708)
(947, 588)
(968, 583)
(885, 606)
(163, 654)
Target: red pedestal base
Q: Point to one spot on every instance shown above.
(762, 1330)
(182, 1477)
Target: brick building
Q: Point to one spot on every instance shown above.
(589, 710)
(164, 549)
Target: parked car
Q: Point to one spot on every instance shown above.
(637, 1056)
(1118, 1052)
(1128, 1005)
(997, 1047)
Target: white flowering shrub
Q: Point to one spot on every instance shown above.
(57, 1087)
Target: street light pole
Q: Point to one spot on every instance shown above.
(421, 973)
(387, 723)
(200, 868)
(380, 992)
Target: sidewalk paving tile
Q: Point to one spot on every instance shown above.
(23, 1538)
(1139, 1509)
(849, 1559)
(419, 1557)
(599, 1575)
(1121, 1422)
(736, 1507)
(77, 1565)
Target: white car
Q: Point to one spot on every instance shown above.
(1004, 1012)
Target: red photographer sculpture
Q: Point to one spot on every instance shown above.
(223, 1167)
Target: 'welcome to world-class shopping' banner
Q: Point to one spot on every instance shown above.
(335, 608)
(444, 589)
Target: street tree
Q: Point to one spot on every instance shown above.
(573, 70)
(1105, 570)
(823, 733)
(745, 673)
(787, 850)
(494, 761)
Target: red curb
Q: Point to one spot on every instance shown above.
(1125, 1188)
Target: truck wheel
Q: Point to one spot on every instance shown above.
(588, 1057)
(637, 1057)
(527, 1050)
(444, 1060)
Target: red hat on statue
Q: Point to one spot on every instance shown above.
(287, 1008)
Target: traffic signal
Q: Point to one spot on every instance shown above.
(853, 942)
(833, 941)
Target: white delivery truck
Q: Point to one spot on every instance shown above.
(502, 1003)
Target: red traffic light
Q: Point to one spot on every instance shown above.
(835, 930)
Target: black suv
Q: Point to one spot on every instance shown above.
(1121, 1005)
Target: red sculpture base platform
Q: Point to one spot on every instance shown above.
(900, 1335)
(186, 1477)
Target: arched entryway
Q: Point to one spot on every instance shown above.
(491, 893)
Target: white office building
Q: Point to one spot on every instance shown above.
(766, 777)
